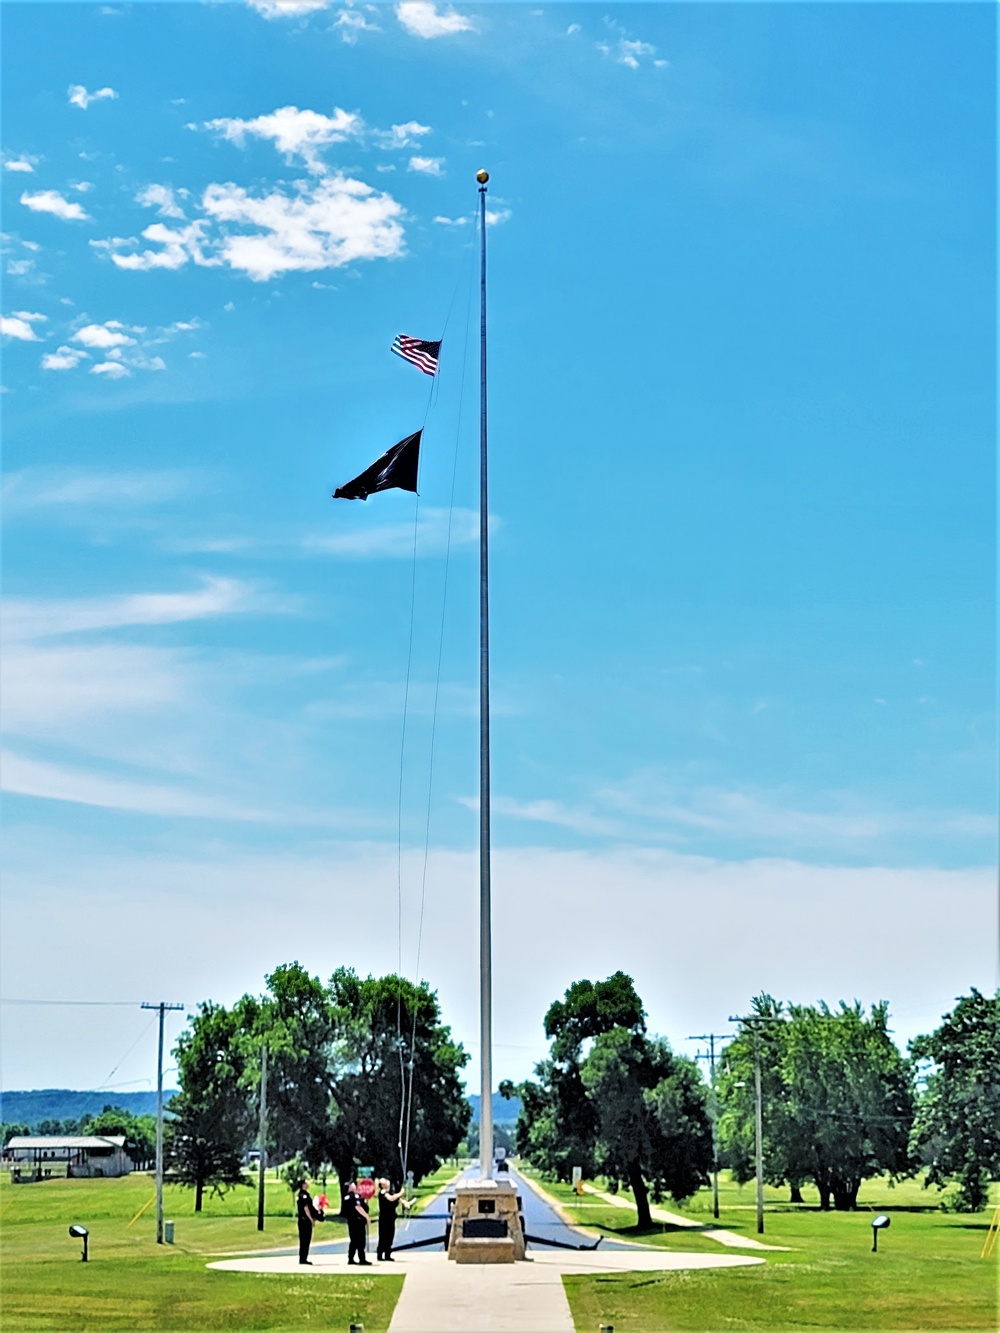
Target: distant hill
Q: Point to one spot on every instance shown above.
(504, 1112)
(28, 1108)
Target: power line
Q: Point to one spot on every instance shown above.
(107, 1004)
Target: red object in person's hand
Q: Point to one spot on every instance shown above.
(366, 1188)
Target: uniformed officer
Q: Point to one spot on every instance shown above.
(356, 1215)
(307, 1217)
(387, 1207)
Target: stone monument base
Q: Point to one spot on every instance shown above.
(486, 1224)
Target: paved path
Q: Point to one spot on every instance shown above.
(443, 1297)
(730, 1238)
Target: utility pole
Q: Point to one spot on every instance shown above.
(262, 1164)
(712, 1038)
(162, 1007)
(752, 1020)
(758, 1130)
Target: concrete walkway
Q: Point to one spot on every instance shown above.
(440, 1296)
(730, 1238)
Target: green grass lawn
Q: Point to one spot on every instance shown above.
(133, 1283)
(926, 1275)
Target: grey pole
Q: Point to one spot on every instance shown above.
(162, 1007)
(754, 1021)
(758, 1131)
(715, 1129)
(262, 1164)
(485, 925)
(710, 1037)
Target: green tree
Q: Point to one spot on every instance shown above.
(397, 1093)
(612, 1100)
(557, 1126)
(301, 1026)
(211, 1117)
(57, 1127)
(10, 1129)
(837, 1098)
(651, 1107)
(956, 1133)
(139, 1131)
(361, 1071)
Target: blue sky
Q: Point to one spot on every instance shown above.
(742, 497)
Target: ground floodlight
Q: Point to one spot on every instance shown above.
(80, 1233)
(878, 1223)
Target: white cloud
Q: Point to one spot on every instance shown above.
(331, 224)
(29, 777)
(19, 268)
(395, 540)
(78, 95)
(18, 164)
(160, 197)
(114, 370)
(406, 135)
(112, 333)
(293, 132)
(451, 222)
(427, 166)
(179, 246)
(422, 18)
(287, 9)
(573, 27)
(626, 50)
(350, 23)
(19, 325)
(72, 488)
(81, 187)
(25, 618)
(51, 201)
(65, 358)
(140, 361)
(494, 216)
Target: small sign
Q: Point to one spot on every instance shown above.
(366, 1187)
(365, 1172)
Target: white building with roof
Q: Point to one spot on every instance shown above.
(39, 1156)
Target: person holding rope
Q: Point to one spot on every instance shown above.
(306, 1217)
(356, 1214)
(387, 1206)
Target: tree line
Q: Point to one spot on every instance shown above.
(840, 1102)
(362, 1071)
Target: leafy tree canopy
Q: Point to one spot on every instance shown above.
(211, 1116)
(837, 1097)
(360, 1071)
(956, 1133)
(139, 1131)
(613, 1100)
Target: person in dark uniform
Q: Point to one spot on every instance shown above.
(388, 1205)
(356, 1215)
(307, 1218)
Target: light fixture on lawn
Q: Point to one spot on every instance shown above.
(80, 1233)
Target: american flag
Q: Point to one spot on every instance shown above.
(424, 355)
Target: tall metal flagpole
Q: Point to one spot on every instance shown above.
(485, 932)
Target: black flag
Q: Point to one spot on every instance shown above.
(396, 468)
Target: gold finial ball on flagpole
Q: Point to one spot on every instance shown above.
(482, 176)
